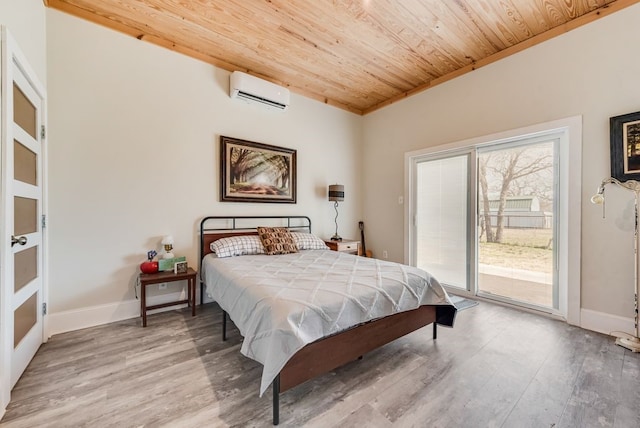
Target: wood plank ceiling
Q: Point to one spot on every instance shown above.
(358, 55)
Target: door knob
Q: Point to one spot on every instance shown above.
(21, 240)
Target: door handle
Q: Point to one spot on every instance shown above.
(21, 240)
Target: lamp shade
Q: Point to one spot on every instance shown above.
(336, 192)
(167, 240)
(597, 199)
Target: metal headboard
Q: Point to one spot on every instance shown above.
(213, 228)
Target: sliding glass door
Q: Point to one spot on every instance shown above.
(517, 222)
(484, 219)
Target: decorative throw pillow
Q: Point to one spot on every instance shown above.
(308, 241)
(237, 246)
(277, 240)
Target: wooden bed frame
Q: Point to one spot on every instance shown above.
(329, 353)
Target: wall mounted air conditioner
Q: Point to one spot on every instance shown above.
(250, 88)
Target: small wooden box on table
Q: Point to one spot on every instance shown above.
(162, 277)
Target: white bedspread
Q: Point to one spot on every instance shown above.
(281, 303)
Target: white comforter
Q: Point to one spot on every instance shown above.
(281, 303)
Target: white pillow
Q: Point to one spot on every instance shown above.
(244, 245)
(308, 241)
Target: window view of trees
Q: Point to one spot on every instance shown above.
(522, 172)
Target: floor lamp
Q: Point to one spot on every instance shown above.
(632, 343)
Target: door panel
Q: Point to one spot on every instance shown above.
(26, 215)
(24, 112)
(516, 259)
(25, 267)
(24, 319)
(25, 164)
(442, 219)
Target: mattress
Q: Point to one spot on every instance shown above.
(282, 303)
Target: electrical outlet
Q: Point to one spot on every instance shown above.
(385, 255)
(162, 287)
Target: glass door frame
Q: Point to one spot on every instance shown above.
(569, 201)
(514, 143)
(411, 225)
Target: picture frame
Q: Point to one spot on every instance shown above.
(168, 265)
(625, 146)
(180, 267)
(256, 172)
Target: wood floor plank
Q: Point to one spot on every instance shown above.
(627, 414)
(365, 416)
(544, 401)
(597, 390)
(364, 380)
(497, 367)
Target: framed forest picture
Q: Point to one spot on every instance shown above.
(256, 172)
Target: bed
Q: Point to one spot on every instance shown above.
(306, 313)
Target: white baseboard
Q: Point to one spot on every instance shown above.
(77, 319)
(61, 322)
(605, 323)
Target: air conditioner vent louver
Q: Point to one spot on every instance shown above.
(251, 88)
(259, 99)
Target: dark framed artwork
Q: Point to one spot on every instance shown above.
(625, 146)
(256, 172)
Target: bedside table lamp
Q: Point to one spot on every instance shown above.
(167, 241)
(336, 194)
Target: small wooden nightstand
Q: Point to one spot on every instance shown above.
(161, 277)
(350, 246)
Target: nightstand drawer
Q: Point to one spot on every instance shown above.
(345, 246)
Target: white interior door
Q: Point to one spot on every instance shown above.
(21, 249)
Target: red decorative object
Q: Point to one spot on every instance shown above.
(149, 267)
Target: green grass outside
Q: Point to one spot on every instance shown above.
(528, 249)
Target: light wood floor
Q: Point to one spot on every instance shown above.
(497, 367)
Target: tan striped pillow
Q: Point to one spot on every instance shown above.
(277, 240)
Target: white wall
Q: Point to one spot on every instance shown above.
(134, 140)
(589, 71)
(26, 20)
